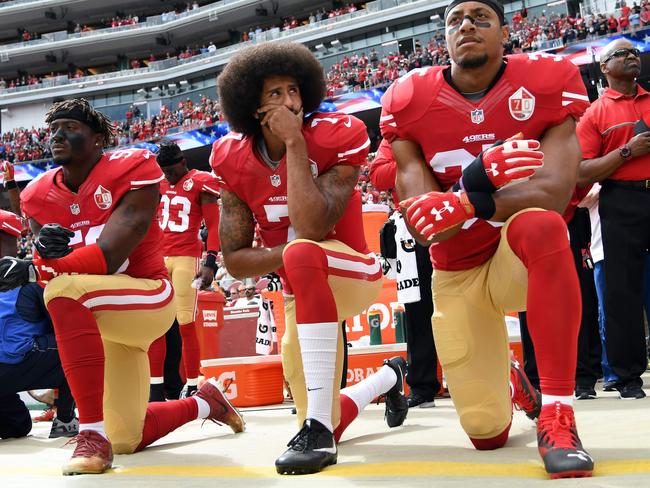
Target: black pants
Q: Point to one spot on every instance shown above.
(173, 383)
(40, 369)
(422, 358)
(588, 368)
(625, 223)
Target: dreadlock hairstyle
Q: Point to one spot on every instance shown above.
(240, 84)
(79, 109)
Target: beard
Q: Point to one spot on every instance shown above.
(472, 62)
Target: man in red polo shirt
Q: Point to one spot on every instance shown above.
(615, 143)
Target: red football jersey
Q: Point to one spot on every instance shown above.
(10, 223)
(179, 214)
(535, 92)
(48, 201)
(332, 138)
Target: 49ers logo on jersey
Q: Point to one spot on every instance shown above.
(103, 198)
(521, 104)
(188, 184)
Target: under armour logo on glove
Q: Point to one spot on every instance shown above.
(493, 170)
(506, 161)
(16, 272)
(446, 208)
(436, 212)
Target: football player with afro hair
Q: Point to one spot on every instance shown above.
(291, 171)
(241, 84)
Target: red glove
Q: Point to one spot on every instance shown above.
(7, 171)
(503, 163)
(436, 212)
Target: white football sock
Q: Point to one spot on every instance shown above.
(192, 381)
(96, 426)
(156, 380)
(551, 399)
(374, 385)
(204, 407)
(318, 351)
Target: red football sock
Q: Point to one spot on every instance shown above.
(306, 268)
(82, 356)
(157, 352)
(191, 350)
(349, 412)
(164, 417)
(493, 442)
(554, 304)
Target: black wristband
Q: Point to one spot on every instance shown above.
(211, 261)
(483, 203)
(476, 179)
(10, 184)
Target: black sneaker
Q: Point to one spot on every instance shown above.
(631, 392)
(585, 393)
(64, 429)
(559, 444)
(609, 386)
(417, 400)
(396, 404)
(312, 449)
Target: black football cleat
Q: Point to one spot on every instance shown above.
(311, 450)
(559, 444)
(396, 405)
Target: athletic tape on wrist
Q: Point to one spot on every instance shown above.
(475, 178)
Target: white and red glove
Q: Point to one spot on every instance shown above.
(436, 212)
(514, 159)
(7, 171)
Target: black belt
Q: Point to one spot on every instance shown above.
(631, 185)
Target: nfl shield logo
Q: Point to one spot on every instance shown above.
(188, 184)
(521, 104)
(103, 198)
(74, 208)
(477, 116)
(275, 180)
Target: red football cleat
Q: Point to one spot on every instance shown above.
(221, 411)
(524, 395)
(46, 416)
(93, 454)
(559, 444)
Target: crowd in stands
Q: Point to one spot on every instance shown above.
(22, 144)
(187, 115)
(181, 53)
(359, 71)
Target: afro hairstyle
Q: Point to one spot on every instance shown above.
(240, 84)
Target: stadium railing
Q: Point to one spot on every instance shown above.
(373, 11)
(150, 22)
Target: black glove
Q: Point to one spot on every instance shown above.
(53, 241)
(16, 272)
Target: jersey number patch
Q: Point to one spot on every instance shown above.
(175, 213)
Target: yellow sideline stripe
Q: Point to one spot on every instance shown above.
(400, 469)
